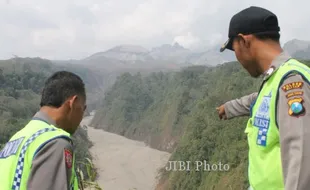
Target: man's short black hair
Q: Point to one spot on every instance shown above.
(59, 87)
(272, 36)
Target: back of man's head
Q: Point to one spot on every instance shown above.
(61, 86)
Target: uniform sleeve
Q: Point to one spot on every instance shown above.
(239, 107)
(51, 167)
(293, 116)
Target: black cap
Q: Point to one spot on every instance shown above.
(252, 20)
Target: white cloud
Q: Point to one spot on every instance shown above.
(64, 29)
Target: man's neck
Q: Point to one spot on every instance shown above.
(53, 114)
(266, 55)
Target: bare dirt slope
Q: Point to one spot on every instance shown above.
(122, 163)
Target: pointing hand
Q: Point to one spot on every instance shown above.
(221, 112)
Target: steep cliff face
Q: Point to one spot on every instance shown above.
(143, 108)
(157, 108)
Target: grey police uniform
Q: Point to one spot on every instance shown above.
(49, 170)
(294, 131)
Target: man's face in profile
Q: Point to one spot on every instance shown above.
(77, 106)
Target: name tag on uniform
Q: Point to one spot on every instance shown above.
(11, 148)
(262, 120)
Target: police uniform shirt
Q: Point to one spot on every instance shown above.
(51, 168)
(294, 130)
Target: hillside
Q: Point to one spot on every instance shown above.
(176, 112)
(95, 81)
(21, 81)
(155, 108)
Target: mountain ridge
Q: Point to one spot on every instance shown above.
(170, 56)
(177, 54)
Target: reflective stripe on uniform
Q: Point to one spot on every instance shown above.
(265, 164)
(21, 158)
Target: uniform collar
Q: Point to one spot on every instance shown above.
(276, 63)
(44, 117)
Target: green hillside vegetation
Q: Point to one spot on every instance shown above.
(175, 111)
(21, 81)
(95, 80)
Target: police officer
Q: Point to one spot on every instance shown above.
(278, 130)
(41, 156)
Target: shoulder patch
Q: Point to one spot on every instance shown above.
(11, 148)
(68, 158)
(296, 107)
(292, 85)
(297, 93)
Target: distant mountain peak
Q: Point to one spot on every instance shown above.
(296, 45)
(177, 45)
(128, 49)
(298, 41)
(168, 47)
(127, 53)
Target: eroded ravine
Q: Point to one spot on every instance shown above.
(122, 163)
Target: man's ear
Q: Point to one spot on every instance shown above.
(245, 40)
(72, 101)
(248, 40)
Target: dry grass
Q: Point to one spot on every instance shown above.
(88, 181)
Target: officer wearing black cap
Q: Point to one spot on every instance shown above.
(278, 130)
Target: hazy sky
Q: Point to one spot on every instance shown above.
(65, 29)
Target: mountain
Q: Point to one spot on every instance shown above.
(295, 45)
(299, 49)
(128, 53)
(164, 57)
(129, 58)
(211, 57)
(175, 53)
(178, 54)
(171, 56)
(303, 54)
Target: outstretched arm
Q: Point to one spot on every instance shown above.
(239, 107)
